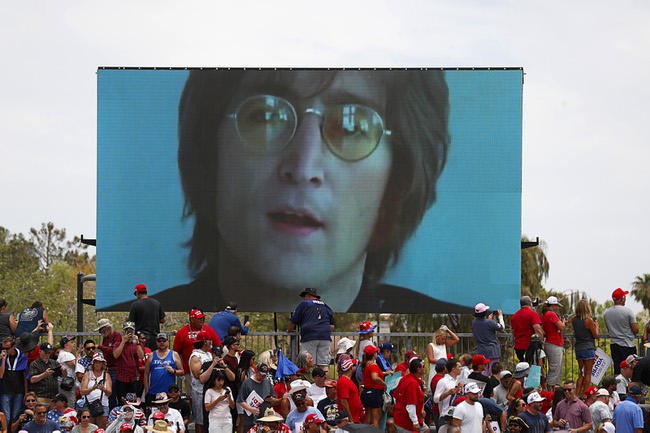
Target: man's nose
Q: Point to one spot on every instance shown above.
(303, 162)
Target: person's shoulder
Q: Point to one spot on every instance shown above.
(375, 298)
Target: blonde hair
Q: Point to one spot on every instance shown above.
(439, 333)
(583, 309)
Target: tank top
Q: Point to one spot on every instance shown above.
(96, 393)
(159, 378)
(584, 339)
(28, 319)
(5, 328)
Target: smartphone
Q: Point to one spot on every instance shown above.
(566, 317)
(246, 320)
(227, 391)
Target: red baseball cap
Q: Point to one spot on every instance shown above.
(623, 364)
(196, 314)
(140, 288)
(619, 294)
(410, 354)
(370, 349)
(592, 390)
(312, 417)
(202, 336)
(480, 359)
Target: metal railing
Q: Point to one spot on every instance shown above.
(289, 344)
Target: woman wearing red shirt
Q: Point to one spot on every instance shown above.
(347, 393)
(374, 386)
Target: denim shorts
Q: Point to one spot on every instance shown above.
(372, 398)
(586, 354)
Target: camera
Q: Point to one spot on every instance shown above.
(217, 351)
(57, 371)
(536, 302)
(44, 326)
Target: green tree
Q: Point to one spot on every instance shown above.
(641, 290)
(534, 269)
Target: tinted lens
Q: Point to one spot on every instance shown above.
(352, 132)
(266, 123)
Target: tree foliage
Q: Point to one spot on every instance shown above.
(534, 269)
(641, 290)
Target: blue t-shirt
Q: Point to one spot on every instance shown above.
(315, 319)
(295, 416)
(627, 416)
(48, 427)
(536, 423)
(223, 320)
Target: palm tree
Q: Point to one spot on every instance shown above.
(641, 290)
(534, 269)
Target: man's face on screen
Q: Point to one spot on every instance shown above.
(296, 215)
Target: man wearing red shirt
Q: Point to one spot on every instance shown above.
(347, 393)
(404, 366)
(186, 337)
(554, 345)
(525, 323)
(409, 400)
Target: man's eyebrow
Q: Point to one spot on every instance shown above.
(344, 97)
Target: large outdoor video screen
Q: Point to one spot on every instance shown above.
(386, 190)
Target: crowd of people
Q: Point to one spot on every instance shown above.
(131, 379)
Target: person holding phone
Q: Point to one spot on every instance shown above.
(128, 353)
(218, 402)
(553, 325)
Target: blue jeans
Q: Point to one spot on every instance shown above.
(11, 405)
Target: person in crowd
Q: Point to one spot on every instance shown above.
(484, 330)
(231, 357)
(85, 422)
(628, 416)
(441, 371)
(622, 327)
(186, 337)
(409, 399)
(373, 386)
(147, 314)
(585, 328)
(59, 406)
(572, 411)
(25, 414)
(468, 415)
(316, 321)
(516, 387)
(13, 372)
(553, 325)
(525, 322)
(536, 421)
(624, 379)
(142, 362)
(345, 346)
(465, 365)
(97, 385)
(328, 405)
(403, 366)
(245, 370)
(262, 396)
(32, 319)
(161, 369)
(479, 366)
(68, 359)
(40, 423)
(494, 413)
(270, 422)
(366, 332)
(386, 351)
(316, 390)
(302, 411)
(129, 410)
(347, 393)
(443, 338)
(163, 411)
(8, 323)
(181, 405)
(305, 364)
(128, 354)
(610, 383)
(535, 354)
(516, 407)
(43, 373)
(517, 425)
(599, 410)
(202, 364)
(111, 339)
(500, 392)
(447, 389)
(313, 423)
(89, 348)
(218, 402)
(130, 416)
(495, 370)
(223, 320)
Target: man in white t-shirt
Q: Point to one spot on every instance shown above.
(447, 388)
(317, 390)
(163, 411)
(469, 413)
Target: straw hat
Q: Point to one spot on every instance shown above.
(159, 426)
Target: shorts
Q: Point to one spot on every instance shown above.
(372, 398)
(197, 407)
(586, 354)
(319, 350)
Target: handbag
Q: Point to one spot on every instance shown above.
(67, 383)
(96, 408)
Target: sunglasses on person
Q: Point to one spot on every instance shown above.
(568, 389)
(267, 123)
(41, 413)
(30, 400)
(89, 348)
(6, 347)
(83, 416)
(301, 403)
(161, 340)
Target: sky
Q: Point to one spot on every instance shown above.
(585, 106)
